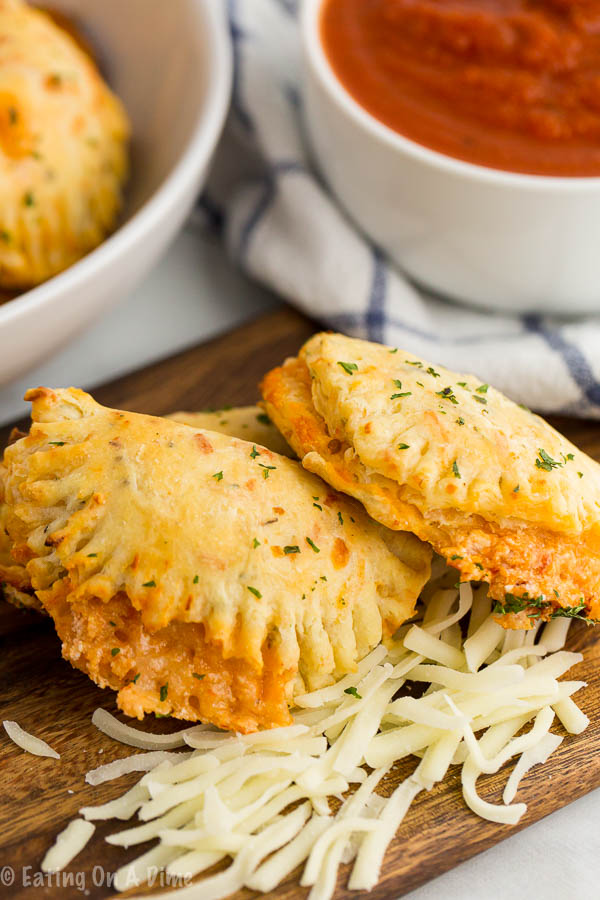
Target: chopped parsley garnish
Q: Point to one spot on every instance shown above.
(569, 612)
(198, 676)
(481, 400)
(163, 692)
(92, 554)
(403, 446)
(517, 489)
(455, 469)
(482, 389)
(218, 476)
(348, 368)
(57, 443)
(432, 372)
(255, 543)
(312, 545)
(149, 583)
(266, 469)
(115, 650)
(544, 461)
(568, 457)
(28, 199)
(293, 548)
(395, 350)
(195, 580)
(263, 419)
(462, 384)
(340, 518)
(254, 591)
(110, 622)
(398, 383)
(254, 453)
(323, 577)
(353, 693)
(479, 566)
(318, 507)
(455, 556)
(416, 363)
(448, 394)
(460, 421)
(580, 474)
(135, 678)
(399, 396)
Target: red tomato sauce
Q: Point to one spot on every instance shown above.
(509, 84)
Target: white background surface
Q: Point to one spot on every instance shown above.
(194, 294)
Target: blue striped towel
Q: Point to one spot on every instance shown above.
(283, 228)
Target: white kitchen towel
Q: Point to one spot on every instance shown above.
(283, 228)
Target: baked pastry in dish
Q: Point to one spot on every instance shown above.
(63, 149)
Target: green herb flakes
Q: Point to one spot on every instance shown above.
(455, 469)
(312, 545)
(263, 419)
(218, 476)
(482, 389)
(291, 548)
(403, 446)
(254, 591)
(149, 583)
(115, 651)
(353, 693)
(544, 461)
(198, 676)
(195, 580)
(255, 543)
(164, 692)
(254, 453)
(340, 518)
(348, 368)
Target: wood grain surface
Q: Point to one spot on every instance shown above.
(46, 696)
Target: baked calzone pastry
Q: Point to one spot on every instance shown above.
(63, 149)
(250, 423)
(499, 493)
(199, 575)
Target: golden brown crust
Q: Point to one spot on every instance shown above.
(173, 671)
(194, 527)
(530, 530)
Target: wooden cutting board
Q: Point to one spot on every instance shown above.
(45, 695)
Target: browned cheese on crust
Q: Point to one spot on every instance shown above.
(499, 493)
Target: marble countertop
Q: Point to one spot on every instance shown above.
(192, 295)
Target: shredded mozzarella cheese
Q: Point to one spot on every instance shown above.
(266, 801)
(27, 741)
(68, 844)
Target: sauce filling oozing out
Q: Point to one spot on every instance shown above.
(508, 84)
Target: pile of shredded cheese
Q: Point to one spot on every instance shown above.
(262, 801)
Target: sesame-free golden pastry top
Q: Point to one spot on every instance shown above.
(63, 149)
(249, 423)
(499, 493)
(199, 575)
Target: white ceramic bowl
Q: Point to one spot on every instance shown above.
(170, 62)
(501, 240)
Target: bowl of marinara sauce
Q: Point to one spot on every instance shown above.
(463, 136)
